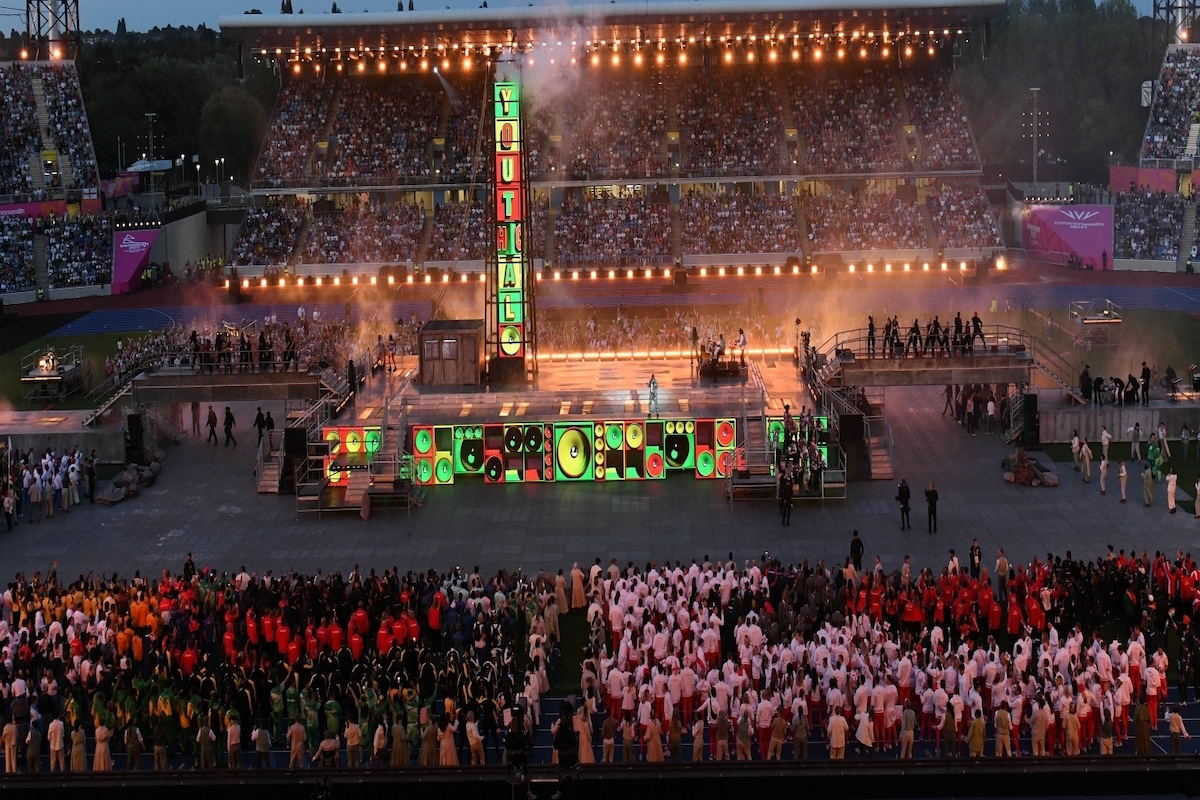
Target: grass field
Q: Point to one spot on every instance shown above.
(1188, 472)
(95, 349)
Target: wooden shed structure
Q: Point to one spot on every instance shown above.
(451, 352)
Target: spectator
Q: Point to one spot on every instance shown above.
(849, 122)
(738, 223)
(268, 235)
(367, 234)
(300, 112)
(936, 108)
(79, 250)
(962, 218)
(612, 230)
(847, 220)
(1147, 225)
(731, 121)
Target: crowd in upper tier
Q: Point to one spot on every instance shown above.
(731, 120)
(962, 218)
(611, 231)
(1147, 225)
(1176, 99)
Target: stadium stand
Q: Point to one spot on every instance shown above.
(937, 110)
(299, 115)
(962, 218)
(1176, 99)
(79, 250)
(68, 121)
(21, 141)
(846, 220)
(459, 164)
(849, 122)
(367, 234)
(450, 243)
(268, 234)
(17, 272)
(611, 230)
(738, 223)
(383, 132)
(1147, 225)
(732, 122)
(617, 127)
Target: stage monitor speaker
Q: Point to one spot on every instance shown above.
(135, 444)
(680, 277)
(1031, 431)
(295, 442)
(434, 273)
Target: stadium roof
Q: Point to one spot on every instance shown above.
(670, 22)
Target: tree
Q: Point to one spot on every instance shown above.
(121, 27)
(232, 124)
(335, 9)
(1088, 61)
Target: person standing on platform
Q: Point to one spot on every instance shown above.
(1085, 460)
(1172, 487)
(903, 496)
(1147, 487)
(931, 499)
(741, 345)
(856, 552)
(1075, 451)
(230, 424)
(785, 496)
(1146, 378)
(1123, 476)
(1185, 438)
(1103, 473)
(211, 424)
(260, 424)
(975, 559)
(1135, 442)
(977, 331)
(949, 395)
(1105, 441)
(870, 336)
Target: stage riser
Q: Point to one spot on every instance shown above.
(1058, 424)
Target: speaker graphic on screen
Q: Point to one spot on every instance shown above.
(423, 453)
(493, 454)
(635, 450)
(573, 451)
(679, 444)
(652, 452)
(610, 451)
(706, 450)
(514, 453)
(443, 460)
(534, 459)
(468, 449)
(726, 449)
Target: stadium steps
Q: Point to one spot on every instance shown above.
(801, 223)
(904, 125)
(548, 243)
(301, 238)
(41, 273)
(787, 117)
(881, 459)
(36, 172)
(1189, 232)
(676, 234)
(930, 231)
(43, 113)
(1193, 140)
(335, 105)
(426, 237)
(66, 171)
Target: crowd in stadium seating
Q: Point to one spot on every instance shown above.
(962, 218)
(1176, 98)
(846, 220)
(368, 234)
(17, 272)
(617, 127)
(299, 116)
(268, 234)
(465, 155)
(1147, 225)
(449, 241)
(79, 250)
(383, 132)
(68, 125)
(738, 223)
(18, 116)
(849, 122)
(732, 123)
(936, 108)
(612, 230)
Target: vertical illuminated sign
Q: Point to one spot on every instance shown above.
(512, 267)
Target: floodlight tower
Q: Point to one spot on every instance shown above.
(52, 30)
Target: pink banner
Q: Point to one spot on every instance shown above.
(1086, 231)
(41, 209)
(131, 252)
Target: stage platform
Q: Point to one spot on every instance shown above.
(615, 389)
(1060, 418)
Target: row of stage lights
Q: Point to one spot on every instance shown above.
(609, 274)
(817, 47)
